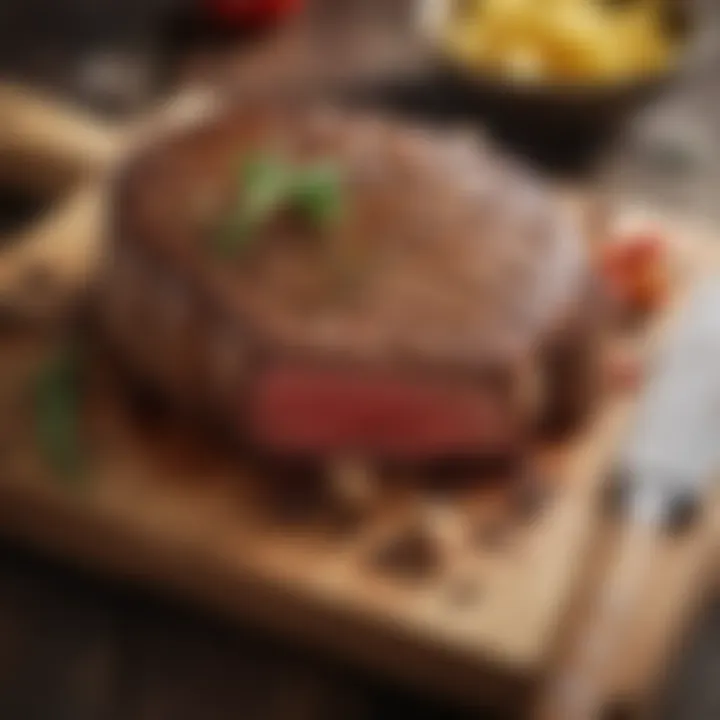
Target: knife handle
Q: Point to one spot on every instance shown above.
(583, 682)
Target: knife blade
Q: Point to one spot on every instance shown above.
(669, 457)
(674, 445)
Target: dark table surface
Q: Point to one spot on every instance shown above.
(77, 648)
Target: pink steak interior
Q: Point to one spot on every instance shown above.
(310, 409)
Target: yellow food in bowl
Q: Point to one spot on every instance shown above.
(574, 41)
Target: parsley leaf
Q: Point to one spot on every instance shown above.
(264, 185)
(267, 186)
(57, 411)
(317, 194)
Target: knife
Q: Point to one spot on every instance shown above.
(666, 471)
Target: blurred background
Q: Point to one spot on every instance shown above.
(640, 127)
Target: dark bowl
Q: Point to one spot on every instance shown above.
(558, 124)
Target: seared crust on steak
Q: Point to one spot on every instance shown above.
(449, 312)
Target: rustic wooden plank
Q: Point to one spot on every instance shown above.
(58, 648)
(693, 690)
(213, 671)
(73, 648)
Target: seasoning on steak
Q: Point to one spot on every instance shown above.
(447, 311)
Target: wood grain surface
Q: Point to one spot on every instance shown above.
(136, 671)
(132, 521)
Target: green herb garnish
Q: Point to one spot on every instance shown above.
(268, 186)
(317, 194)
(57, 413)
(263, 189)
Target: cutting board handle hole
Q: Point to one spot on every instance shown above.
(20, 210)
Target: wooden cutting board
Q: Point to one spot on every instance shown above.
(162, 507)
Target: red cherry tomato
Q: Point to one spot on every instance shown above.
(251, 11)
(636, 271)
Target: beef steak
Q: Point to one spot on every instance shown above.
(448, 311)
